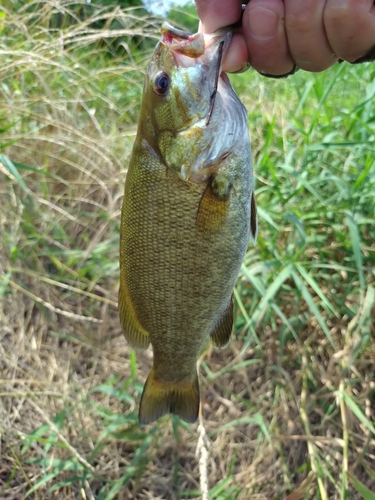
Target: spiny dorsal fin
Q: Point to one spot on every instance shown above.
(253, 219)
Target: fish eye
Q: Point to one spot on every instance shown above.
(162, 83)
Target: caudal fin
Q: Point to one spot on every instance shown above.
(159, 398)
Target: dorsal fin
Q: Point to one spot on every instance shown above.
(253, 218)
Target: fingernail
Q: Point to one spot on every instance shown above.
(263, 24)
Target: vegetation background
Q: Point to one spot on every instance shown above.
(289, 406)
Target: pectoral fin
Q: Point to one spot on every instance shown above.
(220, 335)
(134, 333)
(213, 207)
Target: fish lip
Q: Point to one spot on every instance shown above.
(182, 42)
(186, 45)
(169, 29)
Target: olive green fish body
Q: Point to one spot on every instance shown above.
(185, 226)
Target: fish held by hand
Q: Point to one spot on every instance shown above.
(188, 213)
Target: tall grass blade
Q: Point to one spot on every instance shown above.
(361, 488)
(269, 294)
(317, 289)
(352, 405)
(12, 169)
(132, 470)
(312, 306)
(356, 246)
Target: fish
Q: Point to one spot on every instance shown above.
(187, 216)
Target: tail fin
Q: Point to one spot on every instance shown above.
(160, 398)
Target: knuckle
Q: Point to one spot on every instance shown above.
(341, 27)
(336, 17)
(298, 22)
(339, 15)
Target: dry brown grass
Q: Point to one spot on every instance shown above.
(275, 422)
(42, 376)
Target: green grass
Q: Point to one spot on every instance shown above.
(289, 406)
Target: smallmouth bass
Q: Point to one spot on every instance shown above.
(187, 215)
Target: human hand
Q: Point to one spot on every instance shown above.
(278, 35)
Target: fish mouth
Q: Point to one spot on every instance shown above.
(186, 45)
(190, 49)
(182, 43)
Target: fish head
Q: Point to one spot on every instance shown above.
(181, 77)
(182, 105)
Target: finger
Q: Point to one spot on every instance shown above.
(264, 32)
(237, 56)
(307, 39)
(350, 27)
(216, 14)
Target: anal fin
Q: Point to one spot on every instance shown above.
(134, 333)
(220, 335)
